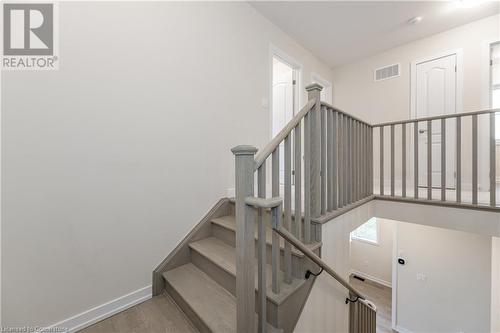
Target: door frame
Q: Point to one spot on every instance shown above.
(274, 51)
(413, 92)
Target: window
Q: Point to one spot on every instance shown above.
(367, 232)
(495, 83)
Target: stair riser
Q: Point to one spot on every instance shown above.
(228, 281)
(228, 237)
(181, 303)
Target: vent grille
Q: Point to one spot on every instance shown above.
(387, 72)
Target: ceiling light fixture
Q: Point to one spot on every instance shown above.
(415, 20)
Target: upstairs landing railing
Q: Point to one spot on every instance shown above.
(437, 145)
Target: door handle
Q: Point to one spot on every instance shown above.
(422, 131)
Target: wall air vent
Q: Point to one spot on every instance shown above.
(387, 72)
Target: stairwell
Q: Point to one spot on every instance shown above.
(200, 276)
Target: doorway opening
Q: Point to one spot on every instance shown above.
(285, 99)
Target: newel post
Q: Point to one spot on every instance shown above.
(314, 92)
(245, 241)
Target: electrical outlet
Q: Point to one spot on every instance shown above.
(421, 277)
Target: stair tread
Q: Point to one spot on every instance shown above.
(213, 304)
(229, 222)
(224, 256)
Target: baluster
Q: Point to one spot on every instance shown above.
(415, 159)
(493, 200)
(288, 207)
(355, 163)
(323, 160)
(443, 159)
(297, 220)
(329, 149)
(351, 161)
(459, 159)
(429, 159)
(347, 162)
(275, 250)
(275, 244)
(381, 160)
(334, 161)
(474, 159)
(392, 160)
(367, 166)
(370, 145)
(262, 247)
(340, 147)
(358, 160)
(403, 160)
(307, 180)
(362, 155)
(361, 167)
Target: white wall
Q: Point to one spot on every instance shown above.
(462, 285)
(389, 100)
(325, 309)
(108, 162)
(374, 261)
(455, 295)
(495, 284)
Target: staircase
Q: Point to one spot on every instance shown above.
(200, 276)
(243, 268)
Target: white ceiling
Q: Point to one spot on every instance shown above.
(343, 32)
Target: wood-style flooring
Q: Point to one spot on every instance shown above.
(382, 297)
(157, 315)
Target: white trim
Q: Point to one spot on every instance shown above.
(395, 266)
(371, 278)
(364, 240)
(297, 66)
(485, 73)
(103, 311)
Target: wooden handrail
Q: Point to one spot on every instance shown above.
(344, 113)
(317, 260)
(264, 153)
(444, 116)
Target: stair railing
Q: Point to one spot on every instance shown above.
(334, 174)
(446, 131)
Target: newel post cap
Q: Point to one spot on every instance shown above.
(244, 150)
(314, 86)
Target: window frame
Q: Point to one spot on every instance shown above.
(365, 240)
(492, 87)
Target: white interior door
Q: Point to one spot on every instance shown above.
(436, 89)
(284, 98)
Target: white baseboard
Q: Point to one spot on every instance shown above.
(371, 278)
(102, 311)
